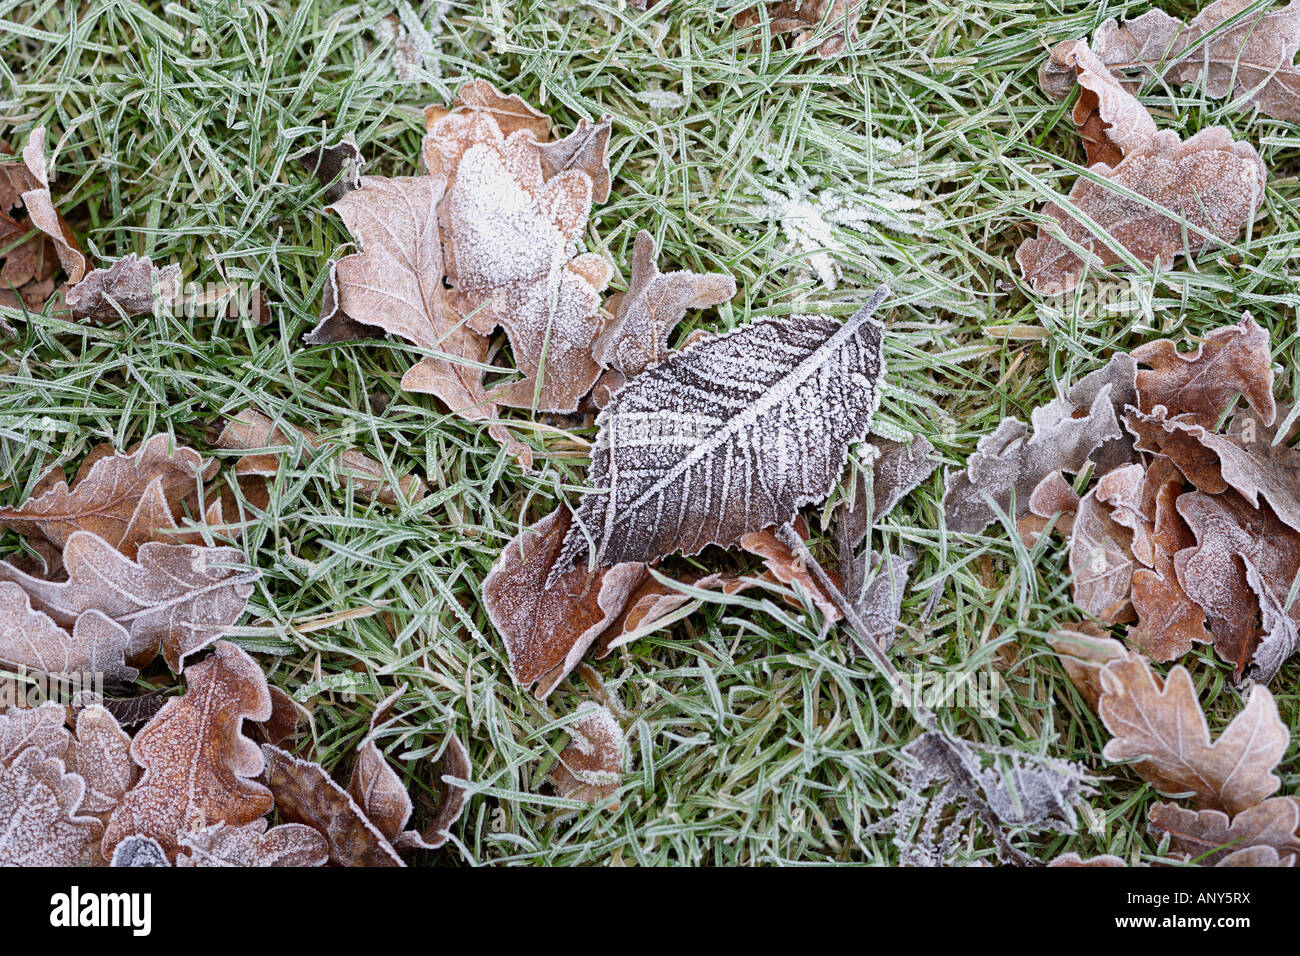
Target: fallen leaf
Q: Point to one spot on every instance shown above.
(36, 728)
(590, 768)
(1210, 835)
(199, 768)
(1053, 499)
(1073, 859)
(804, 19)
(1083, 650)
(1011, 461)
(1231, 535)
(649, 608)
(178, 597)
(41, 819)
(250, 429)
(898, 468)
(1159, 724)
(105, 498)
(304, 793)
(220, 844)
(1213, 184)
(1110, 119)
(336, 167)
(684, 462)
(784, 566)
(1101, 559)
(585, 149)
(1227, 361)
(31, 639)
(133, 285)
(40, 209)
(547, 626)
(139, 851)
(878, 600)
(101, 753)
(654, 303)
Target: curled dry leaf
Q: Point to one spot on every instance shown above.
(654, 303)
(548, 627)
(1232, 537)
(1083, 651)
(585, 149)
(379, 792)
(897, 469)
(304, 793)
(1227, 361)
(878, 600)
(290, 844)
(177, 597)
(729, 436)
(1159, 724)
(804, 18)
(1011, 461)
(250, 429)
(131, 286)
(1249, 57)
(199, 768)
(785, 566)
(1052, 502)
(1194, 195)
(336, 167)
(1110, 120)
(649, 607)
(107, 496)
(590, 768)
(1209, 836)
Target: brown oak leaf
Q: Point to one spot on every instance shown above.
(1110, 119)
(804, 18)
(1101, 559)
(42, 822)
(199, 767)
(654, 303)
(30, 638)
(1159, 724)
(221, 844)
(1209, 836)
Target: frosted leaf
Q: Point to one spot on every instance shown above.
(1213, 183)
(1177, 440)
(729, 436)
(650, 605)
(199, 768)
(1279, 633)
(590, 769)
(585, 149)
(785, 566)
(336, 167)
(1169, 621)
(1159, 724)
(1208, 836)
(1231, 535)
(220, 844)
(41, 819)
(897, 469)
(304, 793)
(1010, 460)
(179, 596)
(41, 211)
(805, 19)
(1258, 463)
(282, 726)
(479, 99)
(654, 303)
(132, 284)
(1120, 373)
(1083, 650)
(36, 728)
(1252, 60)
(1110, 119)
(101, 753)
(135, 711)
(250, 429)
(878, 600)
(1008, 792)
(1053, 501)
(31, 639)
(510, 241)
(1073, 859)
(1201, 383)
(548, 627)
(139, 851)
(105, 498)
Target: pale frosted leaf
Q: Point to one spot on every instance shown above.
(730, 436)
(41, 820)
(1083, 650)
(585, 149)
(654, 303)
(31, 639)
(1110, 119)
(1209, 835)
(1073, 859)
(101, 753)
(1159, 724)
(36, 728)
(132, 284)
(41, 211)
(199, 768)
(221, 844)
(590, 768)
(139, 851)
(177, 596)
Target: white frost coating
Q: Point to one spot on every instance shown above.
(661, 99)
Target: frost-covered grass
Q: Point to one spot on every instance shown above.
(918, 159)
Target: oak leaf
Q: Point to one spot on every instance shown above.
(1101, 558)
(1159, 724)
(1110, 120)
(804, 18)
(729, 436)
(199, 767)
(41, 818)
(1209, 836)
(654, 303)
(177, 597)
(101, 753)
(31, 639)
(221, 844)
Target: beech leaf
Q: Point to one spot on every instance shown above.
(199, 768)
(729, 436)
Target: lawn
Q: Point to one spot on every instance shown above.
(918, 157)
